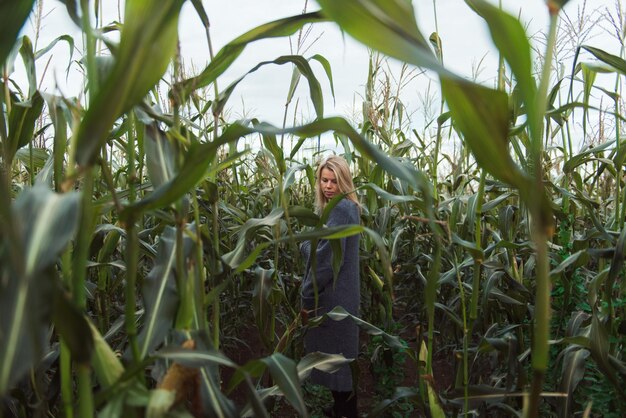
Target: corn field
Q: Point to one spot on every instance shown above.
(149, 261)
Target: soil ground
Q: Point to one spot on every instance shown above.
(317, 397)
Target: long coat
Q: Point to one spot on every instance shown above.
(335, 337)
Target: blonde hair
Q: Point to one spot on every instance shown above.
(339, 166)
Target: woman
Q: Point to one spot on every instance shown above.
(333, 178)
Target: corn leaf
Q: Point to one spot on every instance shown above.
(45, 222)
(161, 296)
(13, 15)
(229, 53)
(315, 90)
(148, 41)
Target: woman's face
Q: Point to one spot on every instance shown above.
(328, 183)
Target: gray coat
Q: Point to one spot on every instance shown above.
(336, 337)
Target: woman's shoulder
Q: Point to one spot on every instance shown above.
(348, 208)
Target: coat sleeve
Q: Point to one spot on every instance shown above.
(324, 276)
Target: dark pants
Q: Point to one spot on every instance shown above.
(345, 404)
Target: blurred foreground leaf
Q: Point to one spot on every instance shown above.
(43, 223)
(13, 15)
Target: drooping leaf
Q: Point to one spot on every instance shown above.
(107, 365)
(225, 57)
(328, 363)
(48, 222)
(315, 90)
(206, 361)
(618, 259)
(28, 58)
(290, 175)
(339, 314)
(327, 68)
(613, 60)
(436, 410)
(195, 358)
(480, 113)
(285, 373)
(40, 158)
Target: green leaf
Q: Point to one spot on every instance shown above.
(393, 166)
(106, 364)
(387, 26)
(400, 393)
(613, 60)
(325, 362)
(600, 347)
(572, 373)
(510, 38)
(263, 308)
(386, 195)
(161, 298)
(72, 325)
(329, 73)
(45, 222)
(471, 247)
(290, 176)
(28, 57)
(315, 90)
(160, 402)
(339, 314)
(194, 168)
(67, 38)
(235, 257)
(578, 259)
(161, 156)
(618, 260)
(13, 15)
(226, 56)
(482, 115)
(270, 143)
(147, 43)
(48, 222)
(56, 109)
(22, 121)
(305, 215)
(40, 157)
(285, 374)
(195, 358)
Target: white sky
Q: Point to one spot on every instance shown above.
(464, 35)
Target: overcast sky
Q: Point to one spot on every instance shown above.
(466, 43)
